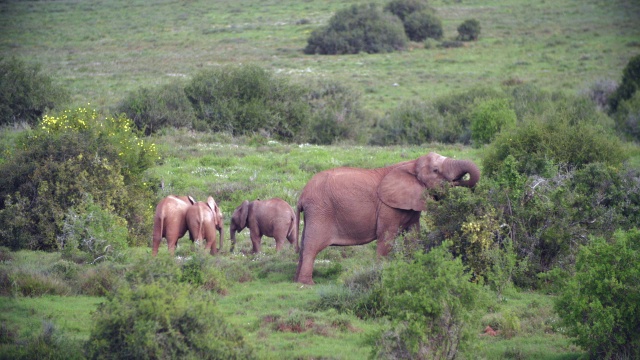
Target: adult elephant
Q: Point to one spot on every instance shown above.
(170, 221)
(203, 220)
(274, 218)
(351, 206)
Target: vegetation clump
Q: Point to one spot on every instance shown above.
(26, 92)
(359, 28)
(469, 30)
(599, 305)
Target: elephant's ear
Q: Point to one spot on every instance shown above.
(191, 199)
(244, 214)
(401, 189)
(212, 204)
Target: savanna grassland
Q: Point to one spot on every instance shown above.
(103, 50)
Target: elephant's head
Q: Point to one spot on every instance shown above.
(238, 221)
(217, 215)
(404, 185)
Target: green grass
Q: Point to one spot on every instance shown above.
(101, 50)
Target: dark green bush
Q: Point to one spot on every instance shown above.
(422, 25)
(163, 320)
(469, 30)
(245, 100)
(600, 305)
(358, 28)
(412, 122)
(433, 306)
(404, 8)
(156, 108)
(56, 166)
(629, 85)
(26, 93)
(489, 117)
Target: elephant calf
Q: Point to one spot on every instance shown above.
(170, 221)
(274, 218)
(203, 219)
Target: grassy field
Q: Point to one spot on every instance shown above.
(101, 50)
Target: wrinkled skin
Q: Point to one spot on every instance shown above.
(351, 206)
(170, 221)
(274, 218)
(203, 220)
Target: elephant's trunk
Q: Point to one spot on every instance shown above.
(459, 168)
(232, 237)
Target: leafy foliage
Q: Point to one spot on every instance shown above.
(600, 304)
(629, 85)
(358, 28)
(469, 30)
(404, 8)
(422, 25)
(627, 117)
(488, 118)
(156, 108)
(163, 320)
(432, 303)
(65, 159)
(244, 100)
(26, 93)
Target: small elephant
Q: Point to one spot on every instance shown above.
(170, 221)
(203, 219)
(274, 218)
(351, 206)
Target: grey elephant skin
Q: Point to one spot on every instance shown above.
(170, 221)
(352, 206)
(273, 218)
(203, 220)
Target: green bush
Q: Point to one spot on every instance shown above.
(163, 320)
(156, 108)
(358, 28)
(488, 118)
(404, 8)
(469, 30)
(244, 100)
(422, 25)
(433, 305)
(51, 343)
(600, 305)
(627, 117)
(26, 93)
(336, 115)
(412, 122)
(56, 166)
(629, 85)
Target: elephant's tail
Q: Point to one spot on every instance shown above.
(299, 209)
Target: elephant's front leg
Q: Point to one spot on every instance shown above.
(172, 243)
(256, 240)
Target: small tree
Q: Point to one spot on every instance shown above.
(488, 118)
(469, 30)
(404, 8)
(600, 306)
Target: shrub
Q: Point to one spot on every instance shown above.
(404, 8)
(336, 114)
(488, 118)
(358, 28)
(422, 25)
(244, 100)
(50, 343)
(432, 303)
(629, 85)
(66, 158)
(412, 122)
(163, 320)
(627, 117)
(600, 304)
(153, 109)
(469, 30)
(26, 93)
